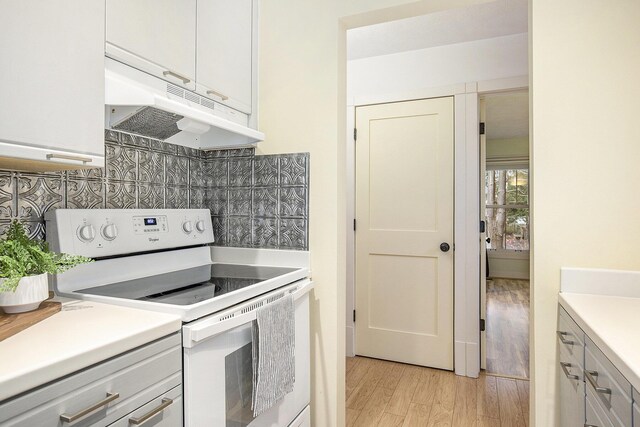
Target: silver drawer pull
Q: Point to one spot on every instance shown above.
(176, 75)
(104, 402)
(594, 382)
(565, 368)
(590, 425)
(563, 340)
(66, 157)
(218, 94)
(141, 420)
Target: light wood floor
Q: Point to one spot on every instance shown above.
(381, 393)
(508, 327)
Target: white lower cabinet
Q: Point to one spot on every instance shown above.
(596, 416)
(593, 392)
(163, 411)
(636, 410)
(571, 372)
(302, 420)
(142, 384)
(609, 387)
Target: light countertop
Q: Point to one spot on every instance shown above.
(613, 324)
(81, 334)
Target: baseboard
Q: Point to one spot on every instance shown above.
(510, 275)
(473, 359)
(350, 344)
(460, 358)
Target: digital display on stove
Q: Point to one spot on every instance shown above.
(150, 221)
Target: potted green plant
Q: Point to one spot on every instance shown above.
(24, 265)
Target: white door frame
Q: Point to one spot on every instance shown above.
(467, 211)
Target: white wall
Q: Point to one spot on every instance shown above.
(585, 106)
(407, 73)
(480, 60)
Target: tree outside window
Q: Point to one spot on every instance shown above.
(507, 209)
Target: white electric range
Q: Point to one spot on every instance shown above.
(159, 259)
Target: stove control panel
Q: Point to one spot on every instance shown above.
(100, 233)
(150, 224)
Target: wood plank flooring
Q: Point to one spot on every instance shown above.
(381, 393)
(508, 327)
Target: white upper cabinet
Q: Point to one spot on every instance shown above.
(51, 84)
(156, 36)
(224, 52)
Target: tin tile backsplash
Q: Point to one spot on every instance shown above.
(255, 201)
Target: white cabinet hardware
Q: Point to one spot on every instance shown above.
(68, 157)
(563, 340)
(176, 75)
(141, 420)
(591, 377)
(70, 418)
(565, 368)
(218, 94)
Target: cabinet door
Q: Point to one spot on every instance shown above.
(224, 53)
(157, 36)
(52, 79)
(572, 410)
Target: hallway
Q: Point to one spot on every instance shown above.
(382, 393)
(508, 327)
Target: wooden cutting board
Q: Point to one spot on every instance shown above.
(11, 324)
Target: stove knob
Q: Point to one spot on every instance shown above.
(200, 226)
(109, 231)
(187, 227)
(86, 233)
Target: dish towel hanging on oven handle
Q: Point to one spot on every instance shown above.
(273, 350)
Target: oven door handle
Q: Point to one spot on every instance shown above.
(209, 328)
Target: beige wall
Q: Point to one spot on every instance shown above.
(585, 106)
(512, 147)
(509, 266)
(302, 100)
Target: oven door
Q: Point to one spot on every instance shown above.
(218, 374)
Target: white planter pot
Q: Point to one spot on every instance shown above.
(31, 291)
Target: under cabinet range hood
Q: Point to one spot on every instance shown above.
(142, 104)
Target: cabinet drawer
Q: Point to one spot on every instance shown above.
(570, 336)
(595, 415)
(615, 393)
(569, 365)
(126, 376)
(572, 397)
(163, 411)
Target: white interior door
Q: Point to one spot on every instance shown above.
(483, 236)
(404, 214)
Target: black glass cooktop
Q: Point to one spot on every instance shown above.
(189, 286)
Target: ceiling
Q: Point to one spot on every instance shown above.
(483, 21)
(507, 115)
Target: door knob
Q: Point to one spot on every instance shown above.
(444, 247)
(488, 239)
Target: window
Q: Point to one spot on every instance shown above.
(507, 209)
